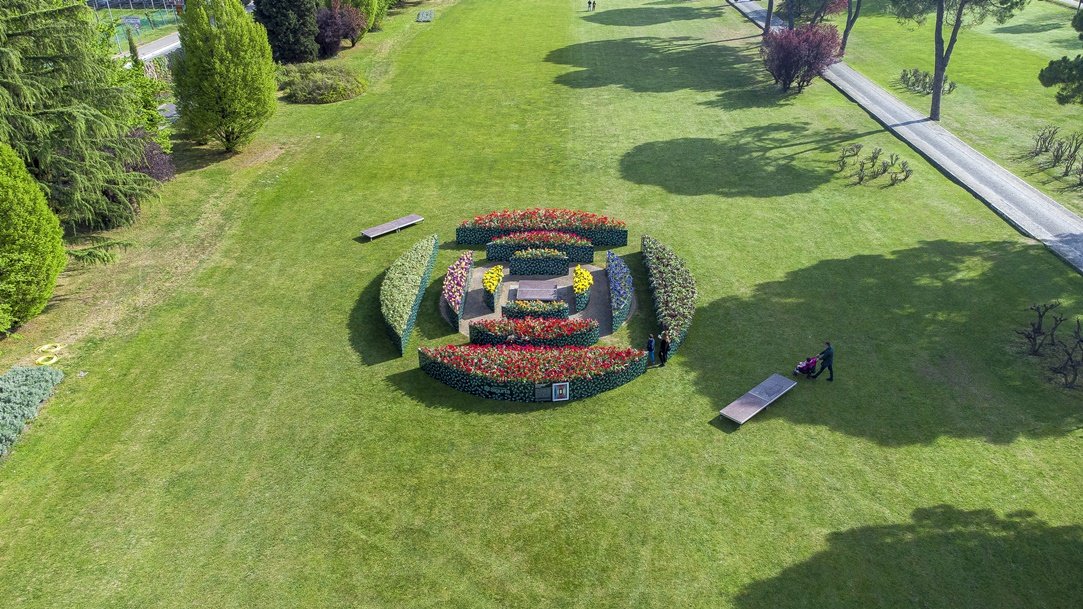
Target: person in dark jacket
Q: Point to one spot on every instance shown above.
(827, 361)
(663, 349)
(650, 349)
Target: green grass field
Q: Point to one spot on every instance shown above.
(999, 104)
(245, 436)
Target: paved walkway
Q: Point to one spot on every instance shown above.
(1069, 3)
(158, 47)
(1022, 205)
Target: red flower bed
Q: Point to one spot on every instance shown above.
(541, 238)
(541, 218)
(505, 363)
(534, 331)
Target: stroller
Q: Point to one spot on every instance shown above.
(806, 367)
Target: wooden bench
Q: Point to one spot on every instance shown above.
(750, 404)
(391, 227)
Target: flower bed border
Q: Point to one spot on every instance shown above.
(582, 338)
(678, 322)
(513, 311)
(620, 312)
(490, 298)
(456, 313)
(609, 233)
(538, 265)
(401, 339)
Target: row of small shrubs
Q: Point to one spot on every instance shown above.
(404, 286)
(539, 261)
(318, 83)
(673, 288)
(22, 391)
(537, 331)
(505, 372)
(599, 230)
(920, 81)
(578, 249)
(1051, 152)
(582, 281)
(557, 309)
(456, 286)
(490, 283)
(873, 165)
(620, 288)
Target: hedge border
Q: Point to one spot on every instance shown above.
(401, 340)
(456, 315)
(620, 313)
(600, 237)
(501, 252)
(524, 391)
(586, 338)
(652, 249)
(21, 399)
(511, 310)
(544, 265)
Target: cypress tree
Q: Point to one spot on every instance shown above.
(224, 79)
(31, 243)
(291, 28)
(63, 112)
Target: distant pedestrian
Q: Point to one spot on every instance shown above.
(590, 5)
(650, 349)
(594, 5)
(663, 349)
(827, 361)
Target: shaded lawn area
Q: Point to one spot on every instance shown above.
(249, 439)
(999, 104)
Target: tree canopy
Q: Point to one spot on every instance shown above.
(291, 28)
(1066, 74)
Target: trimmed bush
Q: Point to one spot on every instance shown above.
(673, 289)
(537, 331)
(490, 283)
(504, 372)
(599, 230)
(582, 280)
(31, 244)
(577, 248)
(620, 288)
(557, 309)
(22, 392)
(456, 286)
(403, 288)
(318, 83)
(539, 261)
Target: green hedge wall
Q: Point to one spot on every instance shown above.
(600, 237)
(586, 338)
(22, 391)
(542, 265)
(673, 289)
(552, 310)
(403, 288)
(579, 254)
(517, 391)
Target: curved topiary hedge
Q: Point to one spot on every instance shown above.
(620, 288)
(577, 248)
(22, 391)
(558, 309)
(403, 288)
(600, 230)
(457, 285)
(538, 331)
(512, 373)
(539, 261)
(673, 288)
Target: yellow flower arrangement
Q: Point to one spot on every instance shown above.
(581, 280)
(492, 278)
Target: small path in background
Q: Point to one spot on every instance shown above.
(1026, 208)
(159, 47)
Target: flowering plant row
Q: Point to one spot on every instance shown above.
(539, 261)
(535, 331)
(507, 372)
(557, 309)
(491, 282)
(581, 282)
(673, 289)
(620, 288)
(600, 230)
(575, 247)
(457, 284)
(404, 285)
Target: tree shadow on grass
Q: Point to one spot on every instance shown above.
(192, 157)
(666, 65)
(368, 336)
(1033, 28)
(924, 338)
(764, 161)
(644, 16)
(945, 558)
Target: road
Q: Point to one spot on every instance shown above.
(159, 47)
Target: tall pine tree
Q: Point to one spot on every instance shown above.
(291, 28)
(63, 111)
(224, 79)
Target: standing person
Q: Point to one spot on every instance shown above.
(590, 5)
(650, 349)
(663, 348)
(827, 360)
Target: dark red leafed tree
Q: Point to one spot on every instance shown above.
(794, 57)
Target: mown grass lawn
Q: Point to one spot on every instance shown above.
(244, 436)
(999, 104)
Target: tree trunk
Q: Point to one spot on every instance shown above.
(853, 11)
(789, 12)
(943, 53)
(771, 13)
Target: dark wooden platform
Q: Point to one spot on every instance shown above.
(536, 290)
(750, 404)
(392, 226)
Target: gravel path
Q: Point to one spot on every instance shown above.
(1026, 208)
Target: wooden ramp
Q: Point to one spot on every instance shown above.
(392, 226)
(750, 404)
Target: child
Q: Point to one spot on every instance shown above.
(806, 367)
